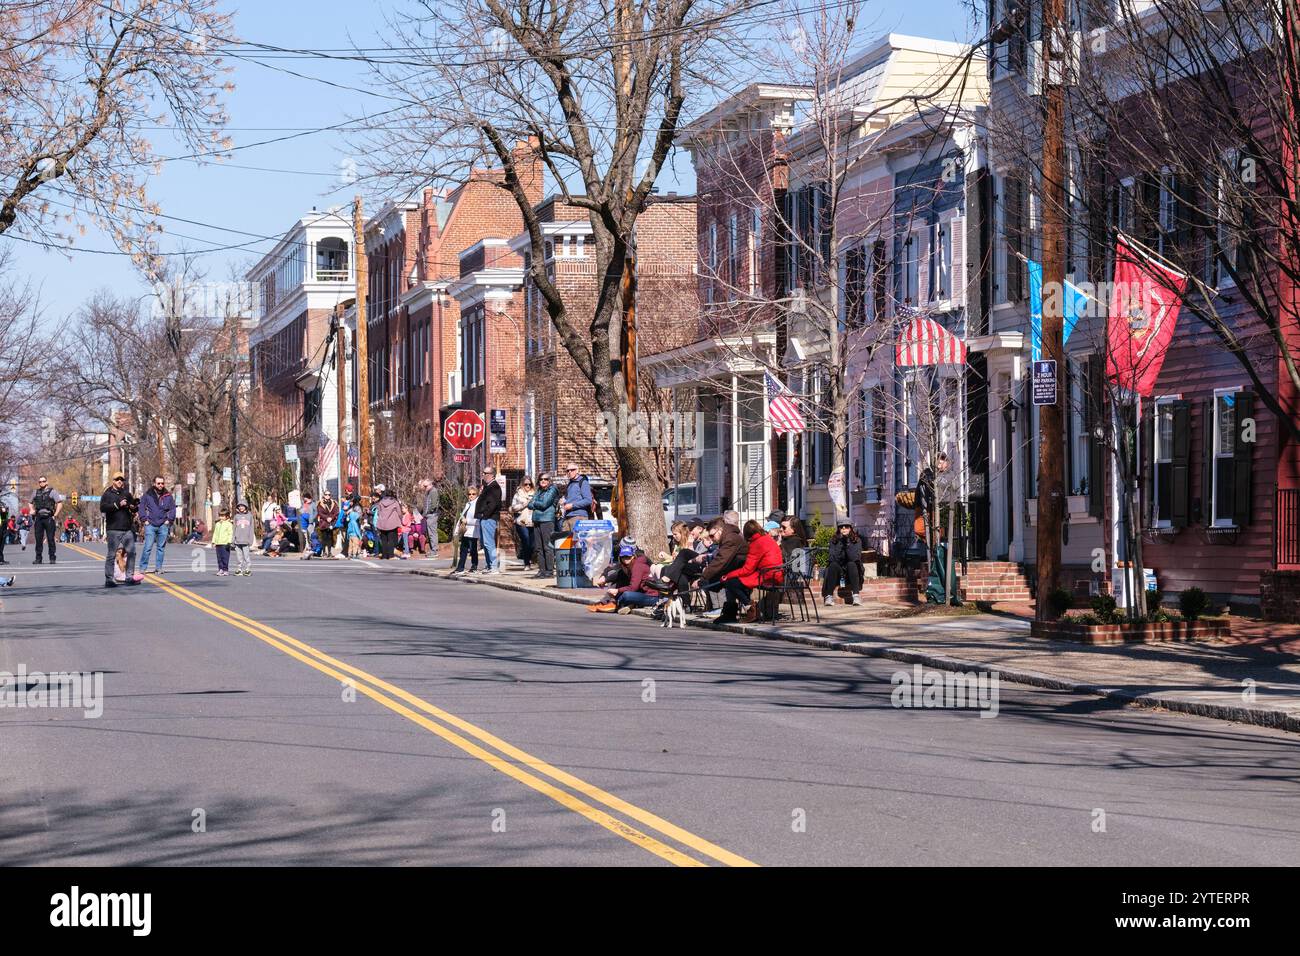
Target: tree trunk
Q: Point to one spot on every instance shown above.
(199, 506)
(644, 498)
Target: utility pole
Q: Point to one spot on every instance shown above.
(627, 349)
(1056, 45)
(363, 357)
(341, 362)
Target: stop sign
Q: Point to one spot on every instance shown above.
(464, 429)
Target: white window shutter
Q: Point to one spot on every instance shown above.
(957, 271)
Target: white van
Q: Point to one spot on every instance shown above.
(680, 503)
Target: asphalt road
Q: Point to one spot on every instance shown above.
(355, 714)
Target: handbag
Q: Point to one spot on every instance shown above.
(525, 518)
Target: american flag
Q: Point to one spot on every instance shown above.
(925, 342)
(782, 408)
(354, 462)
(325, 457)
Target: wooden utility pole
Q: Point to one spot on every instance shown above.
(1056, 45)
(627, 350)
(341, 364)
(362, 353)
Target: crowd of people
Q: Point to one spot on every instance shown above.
(720, 560)
(724, 562)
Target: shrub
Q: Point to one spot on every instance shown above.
(1059, 601)
(1104, 607)
(821, 542)
(1193, 603)
(1155, 598)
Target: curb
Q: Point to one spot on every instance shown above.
(1256, 716)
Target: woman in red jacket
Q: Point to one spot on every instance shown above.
(763, 566)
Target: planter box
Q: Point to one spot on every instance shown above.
(1169, 631)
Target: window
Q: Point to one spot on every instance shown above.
(733, 256)
(755, 250)
(1162, 462)
(713, 263)
(941, 261)
(1010, 215)
(871, 455)
(473, 359)
(910, 273)
(1224, 451)
(1077, 423)
(1124, 212)
(1076, 223)
(1228, 218)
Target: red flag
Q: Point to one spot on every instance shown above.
(1144, 305)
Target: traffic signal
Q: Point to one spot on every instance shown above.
(75, 498)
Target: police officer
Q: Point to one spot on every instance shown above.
(46, 505)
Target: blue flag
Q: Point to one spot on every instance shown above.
(1075, 304)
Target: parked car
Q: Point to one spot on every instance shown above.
(680, 502)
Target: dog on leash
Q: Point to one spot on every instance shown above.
(674, 610)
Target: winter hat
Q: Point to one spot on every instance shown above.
(626, 551)
(771, 526)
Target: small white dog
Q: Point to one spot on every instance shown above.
(674, 609)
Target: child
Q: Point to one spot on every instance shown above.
(277, 542)
(242, 538)
(223, 533)
(354, 532)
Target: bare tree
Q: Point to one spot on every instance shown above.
(25, 357)
(78, 80)
(598, 87)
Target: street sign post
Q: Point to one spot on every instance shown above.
(464, 429)
(1045, 382)
(290, 452)
(497, 445)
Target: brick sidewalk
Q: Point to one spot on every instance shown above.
(1208, 679)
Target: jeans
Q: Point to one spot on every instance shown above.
(543, 531)
(155, 535)
(524, 538)
(638, 599)
(487, 532)
(45, 532)
(738, 595)
(468, 548)
(223, 557)
(124, 541)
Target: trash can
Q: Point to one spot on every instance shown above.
(569, 572)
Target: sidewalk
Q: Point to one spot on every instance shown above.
(1253, 678)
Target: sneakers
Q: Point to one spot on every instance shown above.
(625, 609)
(716, 612)
(855, 600)
(829, 601)
(604, 607)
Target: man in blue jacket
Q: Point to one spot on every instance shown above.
(577, 497)
(157, 512)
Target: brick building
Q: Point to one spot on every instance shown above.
(414, 257)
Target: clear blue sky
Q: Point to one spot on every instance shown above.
(267, 104)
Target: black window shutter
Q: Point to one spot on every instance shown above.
(1015, 222)
(1146, 466)
(1096, 406)
(855, 287)
(1243, 454)
(1205, 502)
(783, 245)
(1180, 470)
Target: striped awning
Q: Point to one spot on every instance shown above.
(926, 342)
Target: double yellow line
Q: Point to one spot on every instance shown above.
(525, 768)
